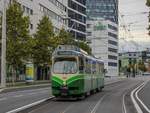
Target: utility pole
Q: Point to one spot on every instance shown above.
(3, 47)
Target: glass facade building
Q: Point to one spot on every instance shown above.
(107, 9)
(77, 21)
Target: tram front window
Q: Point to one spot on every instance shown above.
(65, 66)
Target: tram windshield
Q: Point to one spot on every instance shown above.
(65, 66)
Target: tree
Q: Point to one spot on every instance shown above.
(83, 46)
(65, 37)
(43, 39)
(148, 4)
(17, 37)
(141, 66)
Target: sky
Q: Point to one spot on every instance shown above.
(133, 14)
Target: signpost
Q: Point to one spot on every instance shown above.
(3, 47)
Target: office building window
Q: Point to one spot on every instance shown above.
(113, 64)
(112, 50)
(112, 57)
(112, 35)
(112, 42)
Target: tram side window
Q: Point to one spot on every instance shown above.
(88, 67)
(98, 68)
(81, 64)
(94, 67)
(102, 68)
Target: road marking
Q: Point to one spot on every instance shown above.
(1, 99)
(16, 96)
(124, 105)
(29, 105)
(141, 102)
(96, 106)
(67, 109)
(32, 93)
(137, 107)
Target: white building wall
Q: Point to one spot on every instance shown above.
(36, 9)
(98, 40)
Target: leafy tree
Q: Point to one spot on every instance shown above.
(148, 4)
(83, 46)
(43, 39)
(141, 66)
(65, 37)
(17, 37)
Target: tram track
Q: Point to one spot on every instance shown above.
(92, 104)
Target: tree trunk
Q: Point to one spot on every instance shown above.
(35, 72)
(13, 76)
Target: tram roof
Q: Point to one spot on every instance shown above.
(61, 49)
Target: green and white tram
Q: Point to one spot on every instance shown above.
(74, 73)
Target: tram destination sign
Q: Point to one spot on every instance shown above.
(66, 53)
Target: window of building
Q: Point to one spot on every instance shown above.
(113, 64)
(89, 33)
(112, 27)
(112, 50)
(31, 26)
(88, 25)
(112, 57)
(51, 14)
(112, 42)
(112, 35)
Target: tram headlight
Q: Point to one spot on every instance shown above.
(64, 83)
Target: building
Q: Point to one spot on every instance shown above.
(77, 21)
(107, 9)
(57, 12)
(36, 9)
(127, 59)
(102, 36)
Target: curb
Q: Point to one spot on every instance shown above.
(11, 89)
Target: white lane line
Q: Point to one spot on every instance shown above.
(29, 105)
(141, 102)
(67, 109)
(1, 99)
(124, 105)
(16, 96)
(32, 93)
(97, 104)
(137, 107)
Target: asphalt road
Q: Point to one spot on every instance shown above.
(16, 99)
(144, 95)
(113, 99)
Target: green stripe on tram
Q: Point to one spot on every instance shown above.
(57, 80)
(75, 78)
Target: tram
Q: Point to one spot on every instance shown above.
(75, 73)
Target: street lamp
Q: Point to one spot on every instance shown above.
(3, 47)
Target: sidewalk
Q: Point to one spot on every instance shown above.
(42, 84)
(25, 86)
(113, 79)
